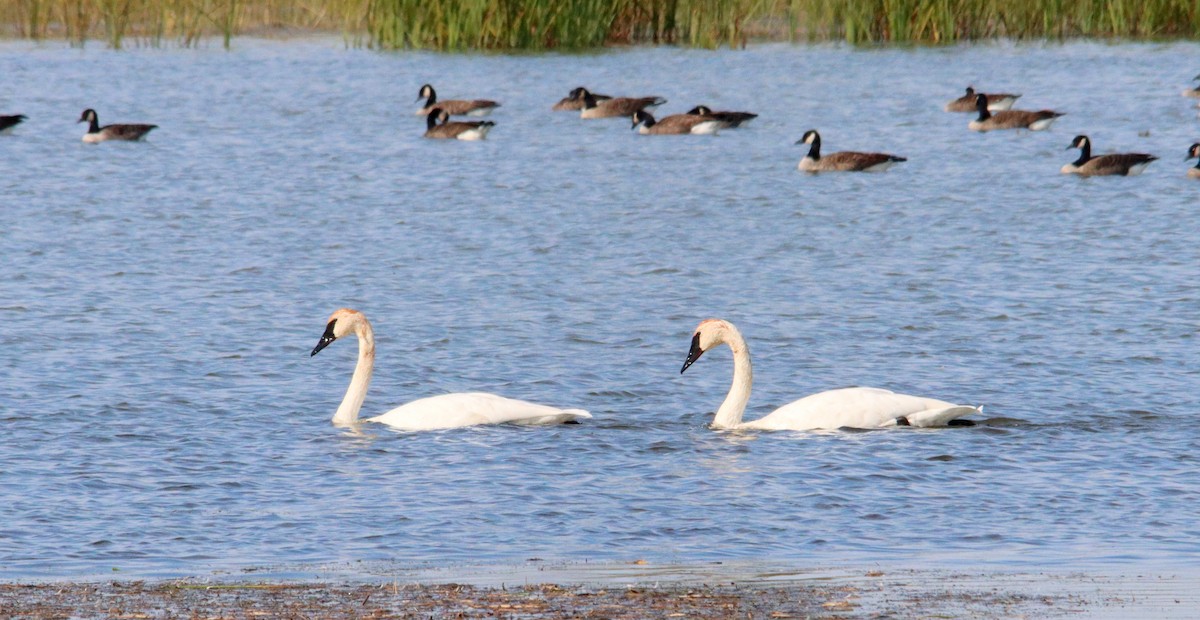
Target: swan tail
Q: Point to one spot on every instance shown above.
(565, 416)
(940, 417)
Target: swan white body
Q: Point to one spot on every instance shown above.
(435, 412)
(856, 407)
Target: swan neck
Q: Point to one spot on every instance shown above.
(347, 412)
(731, 411)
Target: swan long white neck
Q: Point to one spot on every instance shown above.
(347, 412)
(731, 411)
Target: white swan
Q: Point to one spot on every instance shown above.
(856, 407)
(434, 412)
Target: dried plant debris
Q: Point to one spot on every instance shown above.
(239, 600)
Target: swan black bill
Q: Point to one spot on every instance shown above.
(326, 338)
(693, 354)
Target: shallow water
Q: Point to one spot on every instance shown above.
(160, 413)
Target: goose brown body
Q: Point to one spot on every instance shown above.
(676, 124)
(1115, 164)
(130, 132)
(842, 161)
(457, 130)
(1010, 119)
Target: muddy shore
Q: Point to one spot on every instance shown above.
(645, 593)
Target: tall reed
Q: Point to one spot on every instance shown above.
(582, 24)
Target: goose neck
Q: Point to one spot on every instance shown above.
(1085, 153)
(814, 149)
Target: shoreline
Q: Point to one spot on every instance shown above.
(620, 590)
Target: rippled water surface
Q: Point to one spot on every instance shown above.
(160, 413)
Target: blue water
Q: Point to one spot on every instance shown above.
(160, 414)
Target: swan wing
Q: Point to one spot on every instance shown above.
(858, 407)
(471, 409)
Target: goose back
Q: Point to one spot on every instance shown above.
(995, 101)
(454, 107)
(573, 102)
(731, 119)
(7, 122)
(616, 106)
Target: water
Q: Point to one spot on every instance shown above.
(160, 413)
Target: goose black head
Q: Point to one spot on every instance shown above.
(809, 137)
(641, 117)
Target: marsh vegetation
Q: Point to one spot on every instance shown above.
(583, 24)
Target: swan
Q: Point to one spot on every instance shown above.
(856, 407)
(434, 412)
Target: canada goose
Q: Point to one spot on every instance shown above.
(574, 100)
(1192, 92)
(1194, 153)
(454, 107)
(675, 124)
(10, 121)
(96, 133)
(459, 130)
(1123, 164)
(1010, 119)
(733, 119)
(842, 161)
(996, 101)
(616, 106)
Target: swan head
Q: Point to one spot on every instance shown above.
(709, 333)
(341, 322)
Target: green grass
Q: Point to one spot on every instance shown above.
(583, 24)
